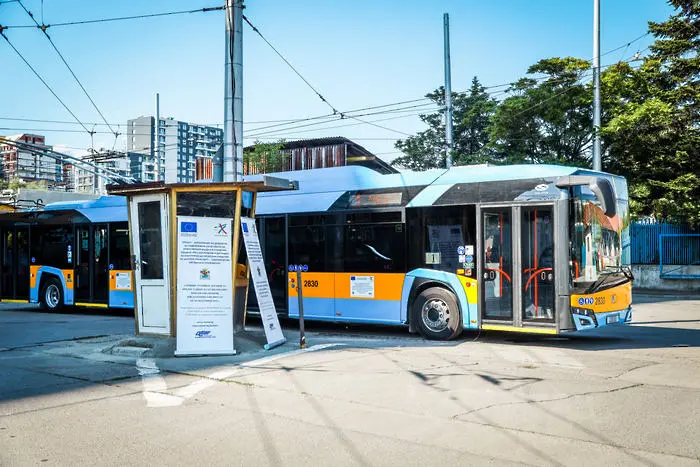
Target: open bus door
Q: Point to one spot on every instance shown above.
(517, 272)
(14, 264)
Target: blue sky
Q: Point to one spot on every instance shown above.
(357, 54)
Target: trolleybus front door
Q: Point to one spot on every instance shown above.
(517, 276)
(497, 259)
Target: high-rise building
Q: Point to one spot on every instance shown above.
(29, 165)
(114, 162)
(179, 145)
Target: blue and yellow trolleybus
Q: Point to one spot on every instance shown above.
(67, 253)
(528, 248)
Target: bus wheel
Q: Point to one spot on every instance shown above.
(52, 295)
(437, 314)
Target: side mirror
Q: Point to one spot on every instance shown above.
(601, 187)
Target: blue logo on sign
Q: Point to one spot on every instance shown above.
(200, 334)
(460, 250)
(291, 267)
(305, 267)
(469, 258)
(586, 301)
(189, 227)
(245, 227)
(111, 267)
(352, 278)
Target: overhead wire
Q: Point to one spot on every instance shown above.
(120, 18)
(44, 82)
(43, 29)
(320, 96)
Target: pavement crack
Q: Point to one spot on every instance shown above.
(539, 401)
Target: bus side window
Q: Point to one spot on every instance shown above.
(119, 250)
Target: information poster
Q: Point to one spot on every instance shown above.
(273, 331)
(362, 286)
(204, 286)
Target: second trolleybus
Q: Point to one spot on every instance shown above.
(67, 253)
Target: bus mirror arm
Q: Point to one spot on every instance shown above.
(601, 187)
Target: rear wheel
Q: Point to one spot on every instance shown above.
(51, 297)
(437, 314)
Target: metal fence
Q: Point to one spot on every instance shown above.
(679, 246)
(684, 259)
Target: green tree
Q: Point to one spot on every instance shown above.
(546, 119)
(654, 130)
(471, 112)
(265, 157)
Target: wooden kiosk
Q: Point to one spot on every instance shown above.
(163, 217)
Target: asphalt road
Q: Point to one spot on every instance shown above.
(360, 396)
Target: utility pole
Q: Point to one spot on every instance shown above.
(233, 94)
(448, 95)
(156, 143)
(597, 165)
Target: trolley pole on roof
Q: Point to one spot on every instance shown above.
(449, 143)
(597, 165)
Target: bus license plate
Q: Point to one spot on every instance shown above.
(612, 319)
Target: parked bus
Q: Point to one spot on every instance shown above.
(68, 253)
(528, 248)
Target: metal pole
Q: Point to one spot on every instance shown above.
(597, 165)
(302, 335)
(223, 173)
(448, 96)
(238, 89)
(156, 143)
(233, 92)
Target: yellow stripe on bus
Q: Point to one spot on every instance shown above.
(9, 300)
(498, 327)
(92, 305)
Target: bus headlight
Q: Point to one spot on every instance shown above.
(585, 312)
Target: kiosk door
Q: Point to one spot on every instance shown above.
(151, 276)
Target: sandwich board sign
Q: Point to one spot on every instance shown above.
(268, 313)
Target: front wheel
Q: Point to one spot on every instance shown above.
(52, 295)
(437, 314)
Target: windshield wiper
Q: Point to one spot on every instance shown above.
(605, 277)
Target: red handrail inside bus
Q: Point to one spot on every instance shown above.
(534, 276)
(501, 271)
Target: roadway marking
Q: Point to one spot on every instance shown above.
(155, 386)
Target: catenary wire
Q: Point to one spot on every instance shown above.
(69, 67)
(45, 83)
(120, 18)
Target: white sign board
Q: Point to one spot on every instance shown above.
(362, 286)
(123, 281)
(271, 324)
(204, 286)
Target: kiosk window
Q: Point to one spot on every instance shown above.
(150, 242)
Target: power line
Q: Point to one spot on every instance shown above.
(320, 96)
(120, 18)
(45, 83)
(43, 29)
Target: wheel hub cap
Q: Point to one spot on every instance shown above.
(52, 296)
(436, 314)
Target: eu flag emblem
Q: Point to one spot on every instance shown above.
(188, 227)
